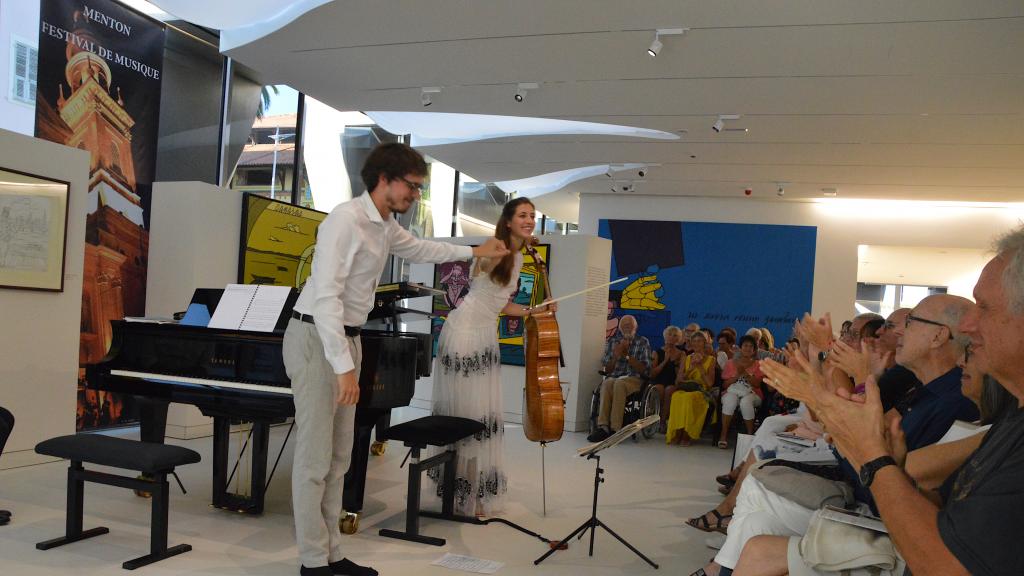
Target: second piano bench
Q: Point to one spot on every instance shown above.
(154, 460)
(417, 435)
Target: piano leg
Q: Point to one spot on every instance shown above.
(221, 440)
(355, 478)
(260, 442)
(152, 419)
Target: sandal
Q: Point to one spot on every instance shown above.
(701, 522)
(723, 444)
(724, 490)
(725, 480)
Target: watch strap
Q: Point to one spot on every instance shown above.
(868, 470)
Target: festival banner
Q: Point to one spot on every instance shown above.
(99, 79)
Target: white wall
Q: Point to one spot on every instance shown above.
(19, 18)
(193, 243)
(39, 343)
(581, 328)
(842, 225)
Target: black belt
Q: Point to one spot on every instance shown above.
(350, 331)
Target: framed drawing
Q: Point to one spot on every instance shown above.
(454, 279)
(277, 242)
(33, 231)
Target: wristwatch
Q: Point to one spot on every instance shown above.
(868, 470)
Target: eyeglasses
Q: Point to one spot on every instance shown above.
(911, 317)
(417, 186)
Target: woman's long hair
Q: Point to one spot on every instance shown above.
(501, 274)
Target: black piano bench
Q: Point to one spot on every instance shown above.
(156, 461)
(417, 435)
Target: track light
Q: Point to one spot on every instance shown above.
(655, 48)
(719, 125)
(522, 88)
(425, 93)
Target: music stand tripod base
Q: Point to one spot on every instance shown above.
(593, 522)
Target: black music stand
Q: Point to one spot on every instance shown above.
(592, 453)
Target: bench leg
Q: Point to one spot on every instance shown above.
(73, 531)
(158, 549)
(412, 510)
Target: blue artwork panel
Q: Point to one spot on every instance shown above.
(714, 274)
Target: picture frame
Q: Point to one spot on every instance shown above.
(33, 231)
(277, 242)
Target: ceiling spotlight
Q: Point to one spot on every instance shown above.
(719, 125)
(656, 45)
(425, 93)
(522, 88)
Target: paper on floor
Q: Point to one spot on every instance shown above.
(468, 564)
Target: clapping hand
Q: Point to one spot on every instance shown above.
(799, 381)
(816, 331)
(859, 364)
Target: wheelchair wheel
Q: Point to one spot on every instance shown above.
(595, 407)
(651, 405)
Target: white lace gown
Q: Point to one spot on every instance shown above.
(467, 383)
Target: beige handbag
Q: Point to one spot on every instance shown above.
(830, 546)
(803, 488)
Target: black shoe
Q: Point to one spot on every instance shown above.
(318, 571)
(599, 435)
(346, 567)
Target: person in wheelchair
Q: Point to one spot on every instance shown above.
(626, 360)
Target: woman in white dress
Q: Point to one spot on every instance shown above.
(467, 370)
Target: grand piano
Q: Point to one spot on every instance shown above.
(235, 377)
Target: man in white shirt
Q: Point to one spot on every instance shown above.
(322, 349)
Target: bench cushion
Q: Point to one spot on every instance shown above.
(117, 452)
(434, 430)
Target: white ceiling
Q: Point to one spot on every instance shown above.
(875, 98)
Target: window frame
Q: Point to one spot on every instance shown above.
(32, 47)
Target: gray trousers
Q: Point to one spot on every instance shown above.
(323, 443)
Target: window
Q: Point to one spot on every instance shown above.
(885, 298)
(25, 59)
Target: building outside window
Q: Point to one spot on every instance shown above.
(24, 63)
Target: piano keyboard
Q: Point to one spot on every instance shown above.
(203, 382)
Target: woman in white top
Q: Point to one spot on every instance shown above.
(467, 377)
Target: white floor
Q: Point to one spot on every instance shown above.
(650, 489)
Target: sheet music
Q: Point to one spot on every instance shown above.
(253, 307)
(623, 433)
(265, 308)
(853, 517)
(468, 563)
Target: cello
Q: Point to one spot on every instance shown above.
(544, 415)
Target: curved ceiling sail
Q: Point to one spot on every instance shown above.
(439, 128)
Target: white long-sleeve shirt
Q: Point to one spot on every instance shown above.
(352, 247)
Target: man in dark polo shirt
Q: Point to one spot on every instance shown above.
(976, 527)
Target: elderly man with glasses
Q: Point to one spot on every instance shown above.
(929, 346)
(970, 524)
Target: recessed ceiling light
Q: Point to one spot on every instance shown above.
(830, 192)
